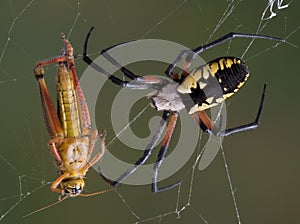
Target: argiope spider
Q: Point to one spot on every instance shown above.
(192, 90)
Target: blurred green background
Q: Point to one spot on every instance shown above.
(264, 164)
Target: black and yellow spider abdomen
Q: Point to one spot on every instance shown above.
(209, 85)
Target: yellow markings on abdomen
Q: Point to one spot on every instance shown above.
(188, 84)
(209, 85)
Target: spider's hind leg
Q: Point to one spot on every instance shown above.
(208, 126)
(249, 126)
(189, 55)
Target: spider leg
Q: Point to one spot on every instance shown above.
(104, 53)
(111, 182)
(125, 71)
(207, 125)
(147, 152)
(204, 121)
(138, 82)
(249, 126)
(162, 154)
(90, 62)
(189, 55)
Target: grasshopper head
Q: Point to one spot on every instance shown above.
(72, 187)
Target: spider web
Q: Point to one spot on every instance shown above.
(239, 186)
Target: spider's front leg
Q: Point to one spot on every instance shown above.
(137, 82)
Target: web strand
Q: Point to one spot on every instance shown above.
(12, 25)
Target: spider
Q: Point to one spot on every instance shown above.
(193, 90)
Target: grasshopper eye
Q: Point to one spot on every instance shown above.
(73, 191)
